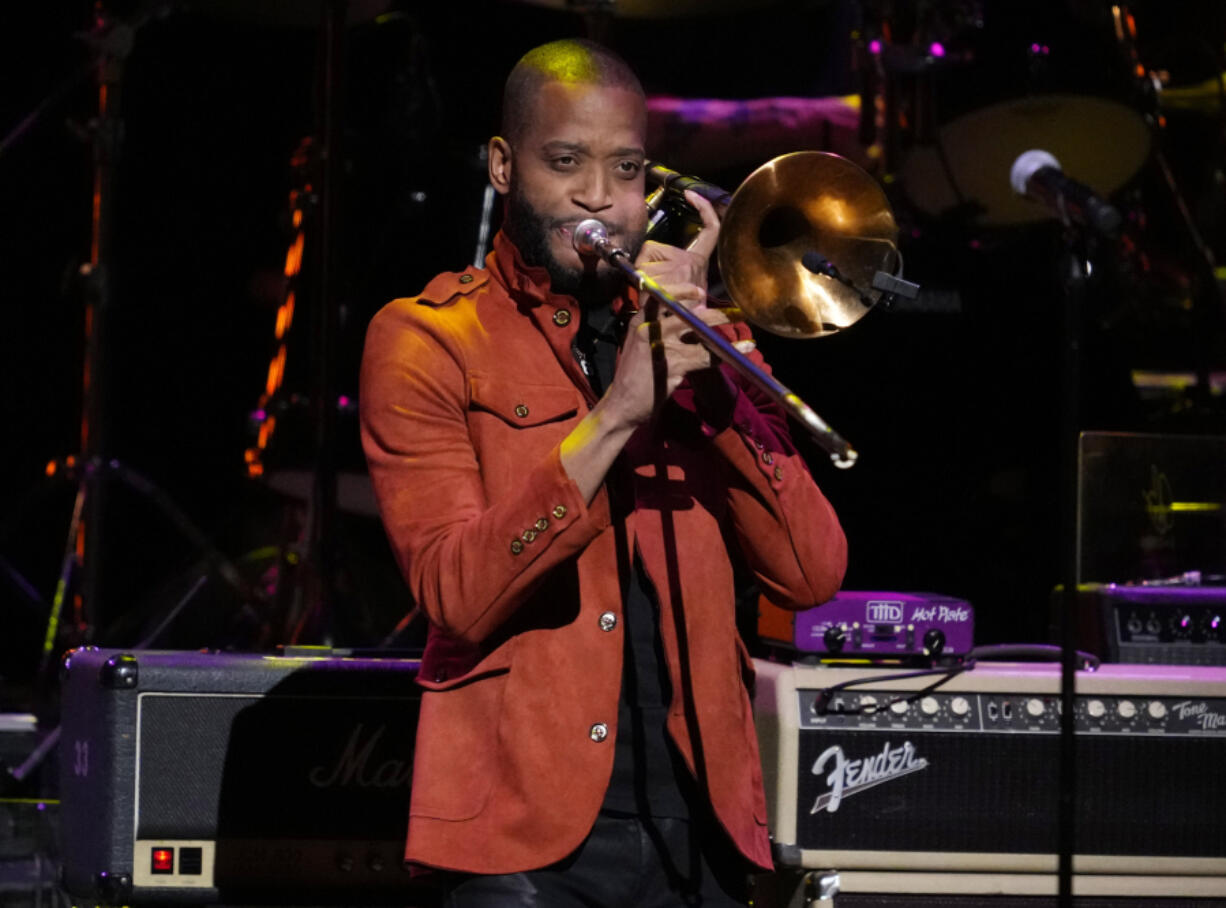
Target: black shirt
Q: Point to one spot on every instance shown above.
(649, 777)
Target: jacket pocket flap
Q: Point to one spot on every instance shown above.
(522, 403)
(448, 674)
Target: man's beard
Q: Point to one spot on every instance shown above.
(594, 283)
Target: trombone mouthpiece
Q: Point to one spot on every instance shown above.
(590, 238)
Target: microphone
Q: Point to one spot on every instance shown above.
(591, 237)
(888, 284)
(671, 180)
(1036, 174)
(819, 264)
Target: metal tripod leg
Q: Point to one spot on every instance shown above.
(68, 567)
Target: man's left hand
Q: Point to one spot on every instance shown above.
(683, 272)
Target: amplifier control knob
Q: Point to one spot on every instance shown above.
(1034, 707)
(1157, 709)
(1096, 708)
(934, 641)
(834, 638)
(959, 706)
(929, 706)
(898, 707)
(1126, 709)
(868, 703)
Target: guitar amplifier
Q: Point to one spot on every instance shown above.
(954, 790)
(197, 777)
(1173, 625)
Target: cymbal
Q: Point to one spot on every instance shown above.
(649, 9)
(806, 202)
(1203, 97)
(1097, 142)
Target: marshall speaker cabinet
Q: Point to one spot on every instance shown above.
(208, 777)
(955, 791)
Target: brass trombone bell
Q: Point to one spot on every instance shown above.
(800, 208)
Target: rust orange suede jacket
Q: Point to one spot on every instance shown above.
(466, 394)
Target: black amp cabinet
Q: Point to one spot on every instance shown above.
(955, 793)
(208, 777)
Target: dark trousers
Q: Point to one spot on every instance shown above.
(625, 862)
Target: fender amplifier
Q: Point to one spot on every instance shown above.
(954, 789)
(196, 777)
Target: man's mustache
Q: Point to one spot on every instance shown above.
(614, 228)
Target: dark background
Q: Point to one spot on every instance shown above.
(955, 413)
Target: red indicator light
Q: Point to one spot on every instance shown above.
(163, 860)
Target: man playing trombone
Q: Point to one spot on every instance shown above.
(561, 471)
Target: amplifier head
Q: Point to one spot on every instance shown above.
(1170, 625)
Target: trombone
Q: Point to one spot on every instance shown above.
(807, 245)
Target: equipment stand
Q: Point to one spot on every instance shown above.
(1075, 273)
(91, 468)
(313, 578)
(112, 42)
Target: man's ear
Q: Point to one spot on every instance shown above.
(500, 164)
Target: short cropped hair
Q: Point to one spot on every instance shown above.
(573, 60)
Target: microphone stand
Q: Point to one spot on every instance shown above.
(1075, 271)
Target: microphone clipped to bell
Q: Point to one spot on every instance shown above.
(803, 242)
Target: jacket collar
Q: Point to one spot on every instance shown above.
(528, 285)
(556, 316)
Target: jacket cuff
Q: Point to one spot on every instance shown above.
(556, 509)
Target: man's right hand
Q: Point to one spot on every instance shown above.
(659, 351)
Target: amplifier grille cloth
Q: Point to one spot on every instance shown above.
(996, 793)
(275, 767)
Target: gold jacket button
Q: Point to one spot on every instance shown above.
(516, 546)
(466, 278)
(542, 525)
(768, 457)
(521, 411)
(529, 535)
(608, 621)
(778, 472)
(560, 511)
(561, 317)
(598, 732)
